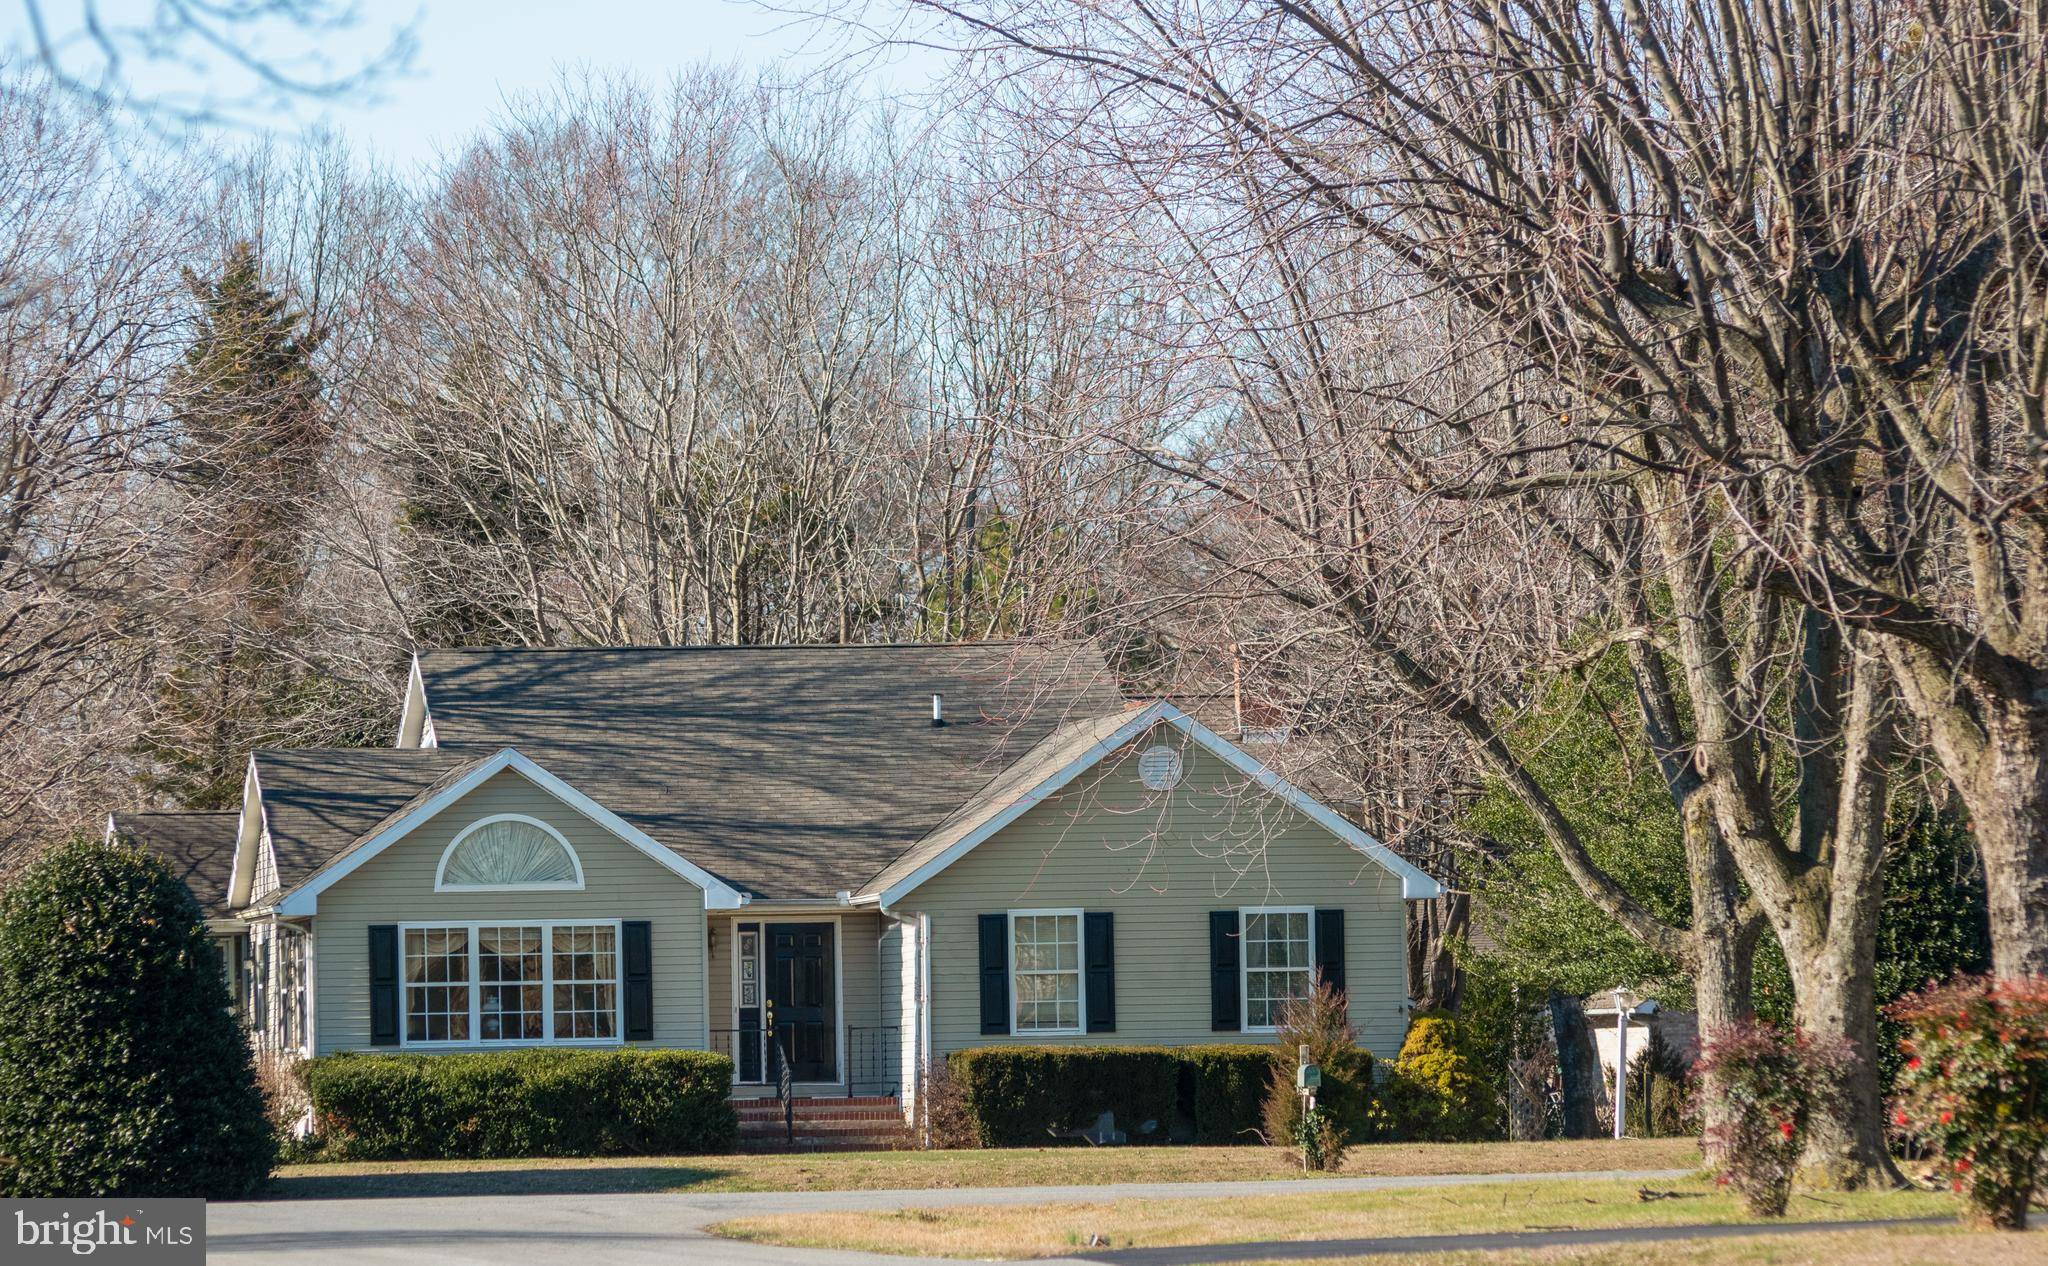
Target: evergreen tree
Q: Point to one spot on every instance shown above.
(253, 434)
(123, 1071)
(470, 541)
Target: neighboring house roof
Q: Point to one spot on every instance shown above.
(199, 848)
(788, 772)
(1075, 749)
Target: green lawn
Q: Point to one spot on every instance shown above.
(1052, 1230)
(1007, 1167)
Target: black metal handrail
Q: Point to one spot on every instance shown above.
(874, 1058)
(871, 1062)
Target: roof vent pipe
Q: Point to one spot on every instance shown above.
(938, 710)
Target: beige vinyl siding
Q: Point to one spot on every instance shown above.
(1160, 863)
(397, 886)
(265, 882)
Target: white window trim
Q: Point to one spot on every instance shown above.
(547, 936)
(441, 883)
(1244, 962)
(1080, 970)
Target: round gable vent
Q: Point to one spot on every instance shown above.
(1159, 767)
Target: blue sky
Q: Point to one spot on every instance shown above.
(474, 54)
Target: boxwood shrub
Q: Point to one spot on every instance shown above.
(1030, 1096)
(521, 1103)
(122, 1069)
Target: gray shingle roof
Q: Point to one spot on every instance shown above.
(199, 847)
(789, 772)
(318, 800)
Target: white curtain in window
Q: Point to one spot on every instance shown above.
(509, 852)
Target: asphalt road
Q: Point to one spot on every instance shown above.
(589, 1230)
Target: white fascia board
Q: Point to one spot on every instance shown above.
(1139, 722)
(248, 836)
(304, 900)
(1415, 884)
(412, 718)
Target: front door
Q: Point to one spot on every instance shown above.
(801, 989)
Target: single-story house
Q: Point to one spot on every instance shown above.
(844, 861)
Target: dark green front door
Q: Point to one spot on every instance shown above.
(801, 988)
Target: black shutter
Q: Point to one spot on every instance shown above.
(1098, 955)
(1223, 1004)
(637, 955)
(1330, 948)
(383, 985)
(995, 973)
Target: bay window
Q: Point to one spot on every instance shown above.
(525, 983)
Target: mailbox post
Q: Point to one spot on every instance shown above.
(1308, 1078)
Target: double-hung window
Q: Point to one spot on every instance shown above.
(528, 983)
(1045, 971)
(1278, 963)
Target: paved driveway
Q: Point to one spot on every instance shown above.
(598, 1230)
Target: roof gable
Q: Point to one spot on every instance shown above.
(446, 792)
(1063, 757)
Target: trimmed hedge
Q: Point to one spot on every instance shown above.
(521, 1103)
(1025, 1096)
(1223, 1091)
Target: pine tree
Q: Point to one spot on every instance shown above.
(253, 433)
(469, 539)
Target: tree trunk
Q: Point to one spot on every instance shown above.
(1578, 1068)
(1434, 979)
(2008, 801)
(1722, 996)
(1836, 1001)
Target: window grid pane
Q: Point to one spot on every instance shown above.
(585, 982)
(437, 985)
(1047, 952)
(509, 968)
(1277, 964)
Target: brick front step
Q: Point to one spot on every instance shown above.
(807, 1110)
(813, 1125)
(824, 1142)
(829, 1101)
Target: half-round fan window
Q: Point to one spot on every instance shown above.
(510, 852)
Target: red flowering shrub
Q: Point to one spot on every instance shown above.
(1975, 1088)
(1772, 1082)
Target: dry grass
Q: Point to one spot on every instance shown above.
(1009, 1167)
(1902, 1246)
(1051, 1230)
